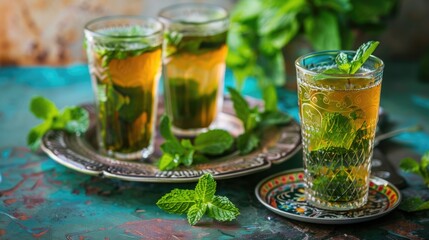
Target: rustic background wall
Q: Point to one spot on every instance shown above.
(46, 32)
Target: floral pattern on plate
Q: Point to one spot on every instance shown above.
(283, 194)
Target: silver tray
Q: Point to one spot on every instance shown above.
(80, 153)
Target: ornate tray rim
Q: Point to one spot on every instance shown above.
(374, 182)
(56, 144)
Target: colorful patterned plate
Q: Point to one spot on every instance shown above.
(80, 153)
(283, 194)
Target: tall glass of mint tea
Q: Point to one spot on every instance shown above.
(124, 54)
(339, 113)
(194, 64)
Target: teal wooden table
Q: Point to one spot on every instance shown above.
(42, 199)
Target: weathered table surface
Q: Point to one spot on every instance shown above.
(42, 199)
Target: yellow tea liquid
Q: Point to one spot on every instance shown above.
(193, 80)
(339, 118)
(126, 83)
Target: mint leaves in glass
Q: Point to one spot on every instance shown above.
(338, 97)
(124, 54)
(194, 64)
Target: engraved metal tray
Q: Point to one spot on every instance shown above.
(80, 153)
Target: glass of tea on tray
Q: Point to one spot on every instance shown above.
(194, 64)
(124, 54)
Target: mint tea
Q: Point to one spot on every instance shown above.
(194, 65)
(125, 63)
(338, 115)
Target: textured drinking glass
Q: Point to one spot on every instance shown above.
(339, 115)
(194, 64)
(124, 54)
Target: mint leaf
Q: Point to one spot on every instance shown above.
(254, 122)
(172, 147)
(165, 128)
(168, 161)
(74, 119)
(247, 142)
(186, 143)
(35, 135)
(362, 54)
(183, 152)
(274, 118)
(269, 95)
(336, 129)
(187, 158)
(206, 188)
(222, 209)
(196, 212)
(177, 201)
(241, 107)
(213, 142)
(173, 37)
(70, 119)
(342, 62)
(199, 201)
(174, 152)
(43, 108)
(344, 66)
(410, 165)
(253, 119)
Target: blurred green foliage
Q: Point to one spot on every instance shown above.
(261, 28)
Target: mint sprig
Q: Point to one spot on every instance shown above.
(175, 152)
(254, 122)
(412, 166)
(362, 54)
(71, 119)
(196, 203)
(346, 66)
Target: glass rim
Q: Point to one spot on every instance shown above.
(371, 72)
(173, 7)
(158, 30)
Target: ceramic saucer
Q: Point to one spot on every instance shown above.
(283, 194)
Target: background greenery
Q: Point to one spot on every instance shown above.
(260, 30)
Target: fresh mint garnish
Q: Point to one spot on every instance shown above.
(346, 66)
(254, 122)
(342, 62)
(362, 54)
(71, 119)
(175, 152)
(422, 168)
(196, 203)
